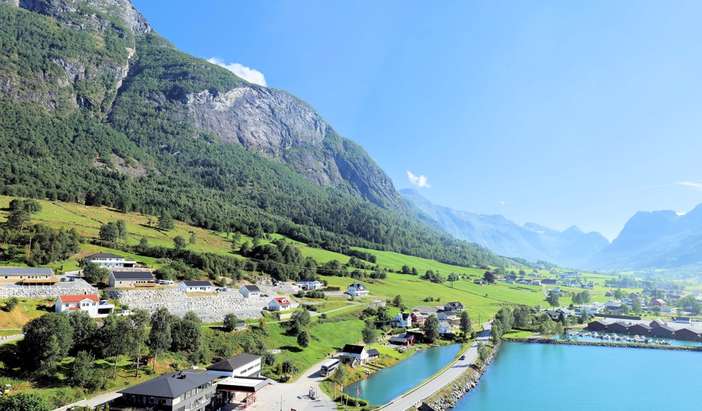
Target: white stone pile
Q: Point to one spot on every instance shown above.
(210, 308)
(77, 286)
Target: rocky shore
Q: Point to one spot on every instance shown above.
(447, 398)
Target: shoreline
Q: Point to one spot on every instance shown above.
(449, 396)
(548, 340)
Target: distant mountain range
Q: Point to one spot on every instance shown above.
(649, 240)
(571, 247)
(656, 239)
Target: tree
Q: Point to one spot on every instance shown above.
(397, 301)
(369, 333)
(496, 331)
(298, 321)
(165, 222)
(193, 238)
(552, 299)
(303, 338)
(114, 335)
(121, 226)
(47, 340)
(230, 322)
(143, 245)
(160, 336)
(483, 352)
(18, 219)
(95, 274)
(83, 372)
(23, 402)
(186, 333)
(179, 242)
(109, 232)
(465, 325)
(288, 368)
(138, 335)
(489, 277)
(10, 304)
(431, 329)
(84, 331)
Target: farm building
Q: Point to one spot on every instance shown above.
(131, 278)
(27, 275)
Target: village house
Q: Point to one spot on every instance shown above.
(661, 330)
(687, 334)
(356, 290)
(640, 329)
(243, 365)
(131, 278)
(250, 291)
(354, 354)
(548, 281)
(109, 261)
(453, 307)
(309, 285)
(373, 354)
(279, 304)
(90, 303)
(27, 275)
(402, 320)
(173, 391)
(404, 339)
(197, 286)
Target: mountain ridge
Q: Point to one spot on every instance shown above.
(97, 108)
(571, 247)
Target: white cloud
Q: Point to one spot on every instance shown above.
(247, 73)
(695, 185)
(418, 180)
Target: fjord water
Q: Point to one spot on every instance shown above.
(393, 381)
(545, 377)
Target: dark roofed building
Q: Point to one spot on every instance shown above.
(661, 330)
(453, 306)
(354, 353)
(243, 365)
(373, 354)
(639, 329)
(173, 391)
(597, 326)
(131, 278)
(618, 327)
(687, 334)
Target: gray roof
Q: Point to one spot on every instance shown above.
(17, 271)
(252, 287)
(197, 283)
(102, 256)
(231, 364)
(133, 275)
(170, 385)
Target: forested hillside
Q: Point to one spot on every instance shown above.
(96, 108)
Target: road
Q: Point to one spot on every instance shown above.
(294, 395)
(439, 381)
(10, 338)
(92, 402)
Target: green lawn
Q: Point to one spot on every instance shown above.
(395, 261)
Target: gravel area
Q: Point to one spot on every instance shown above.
(77, 286)
(209, 307)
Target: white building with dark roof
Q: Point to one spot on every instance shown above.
(250, 291)
(131, 278)
(243, 365)
(109, 261)
(197, 286)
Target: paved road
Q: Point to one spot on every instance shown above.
(10, 338)
(92, 402)
(439, 381)
(294, 395)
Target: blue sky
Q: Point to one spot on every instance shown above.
(559, 113)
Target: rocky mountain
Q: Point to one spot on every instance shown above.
(571, 247)
(655, 239)
(96, 107)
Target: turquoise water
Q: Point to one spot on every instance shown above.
(393, 381)
(547, 377)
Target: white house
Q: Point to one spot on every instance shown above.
(402, 320)
(89, 303)
(107, 260)
(309, 285)
(279, 304)
(354, 353)
(243, 365)
(445, 327)
(250, 291)
(197, 286)
(131, 278)
(356, 290)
